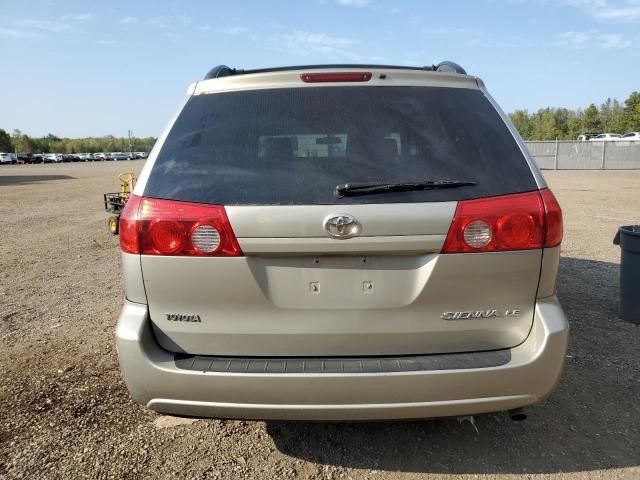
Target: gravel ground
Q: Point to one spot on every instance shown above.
(65, 412)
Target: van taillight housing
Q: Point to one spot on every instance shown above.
(554, 227)
(152, 226)
(523, 221)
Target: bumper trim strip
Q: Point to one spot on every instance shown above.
(414, 363)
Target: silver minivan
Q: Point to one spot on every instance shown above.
(340, 242)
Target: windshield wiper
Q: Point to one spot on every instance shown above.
(350, 189)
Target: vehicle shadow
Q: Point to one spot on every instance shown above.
(29, 179)
(590, 422)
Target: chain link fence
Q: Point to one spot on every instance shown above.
(557, 155)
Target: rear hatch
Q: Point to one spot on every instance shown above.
(273, 158)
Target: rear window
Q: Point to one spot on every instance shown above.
(292, 146)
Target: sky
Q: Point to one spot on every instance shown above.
(86, 68)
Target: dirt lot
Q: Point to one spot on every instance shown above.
(65, 413)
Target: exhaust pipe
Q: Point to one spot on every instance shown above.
(517, 415)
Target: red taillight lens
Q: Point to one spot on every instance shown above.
(509, 222)
(516, 231)
(129, 227)
(167, 237)
(554, 219)
(166, 227)
(336, 77)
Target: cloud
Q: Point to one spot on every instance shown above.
(488, 43)
(322, 39)
(592, 39)
(170, 21)
(577, 40)
(14, 33)
(585, 3)
(36, 28)
(451, 31)
(233, 30)
(623, 14)
(311, 43)
(126, 20)
(204, 28)
(77, 17)
(43, 25)
(613, 40)
(353, 3)
(605, 10)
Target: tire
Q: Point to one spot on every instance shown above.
(112, 224)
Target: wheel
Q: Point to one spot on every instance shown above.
(113, 224)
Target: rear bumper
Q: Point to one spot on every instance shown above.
(154, 380)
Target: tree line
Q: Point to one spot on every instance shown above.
(566, 124)
(545, 124)
(20, 142)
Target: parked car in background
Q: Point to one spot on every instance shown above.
(25, 157)
(119, 156)
(100, 156)
(631, 137)
(37, 158)
(141, 154)
(52, 158)
(84, 157)
(586, 137)
(6, 159)
(606, 137)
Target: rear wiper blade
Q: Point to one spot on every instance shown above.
(349, 189)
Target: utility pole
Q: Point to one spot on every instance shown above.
(130, 141)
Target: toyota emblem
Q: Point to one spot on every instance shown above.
(341, 226)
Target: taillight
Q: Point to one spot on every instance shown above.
(151, 226)
(336, 77)
(128, 227)
(522, 221)
(554, 219)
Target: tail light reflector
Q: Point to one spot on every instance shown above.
(336, 77)
(522, 221)
(152, 226)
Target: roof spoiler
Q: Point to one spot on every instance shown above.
(450, 67)
(224, 71)
(220, 71)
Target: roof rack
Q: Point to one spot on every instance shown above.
(224, 71)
